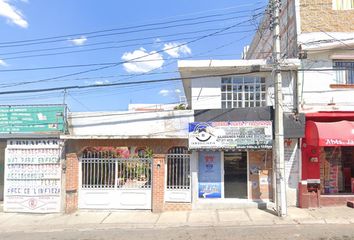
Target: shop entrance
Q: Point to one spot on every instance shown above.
(235, 175)
(337, 170)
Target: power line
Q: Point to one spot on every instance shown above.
(134, 75)
(39, 40)
(102, 64)
(111, 42)
(110, 47)
(141, 57)
(112, 84)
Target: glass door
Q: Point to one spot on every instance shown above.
(235, 175)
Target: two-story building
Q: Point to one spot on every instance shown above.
(321, 35)
(231, 138)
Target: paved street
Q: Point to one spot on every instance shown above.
(321, 232)
(246, 223)
(11, 222)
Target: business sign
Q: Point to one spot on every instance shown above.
(32, 119)
(240, 135)
(32, 176)
(209, 175)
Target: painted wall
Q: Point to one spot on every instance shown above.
(206, 92)
(292, 170)
(315, 91)
(162, 124)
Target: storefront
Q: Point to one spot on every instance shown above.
(233, 161)
(33, 175)
(31, 158)
(327, 160)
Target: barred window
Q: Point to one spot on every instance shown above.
(345, 72)
(343, 4)
(243, 91)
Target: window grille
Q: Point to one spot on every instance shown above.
(178, 168)
(344, 72)
(99, 170)
(243, 91)
(343, 4)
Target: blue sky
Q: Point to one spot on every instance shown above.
(155, 33)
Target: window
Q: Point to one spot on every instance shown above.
(345, 72)
(178, 168)
(343, 4)
(337, 170)
(243, 91)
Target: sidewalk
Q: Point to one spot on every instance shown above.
(10, 222)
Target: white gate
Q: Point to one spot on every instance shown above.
(178, 180)
(114, 183)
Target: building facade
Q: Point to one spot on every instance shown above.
(320, 34)
(232, 136)
(128, 160)
(32, 158)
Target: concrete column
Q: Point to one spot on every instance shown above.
(194, 175)
(158, 182)
(71, 182)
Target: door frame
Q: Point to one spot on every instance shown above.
(223, 176)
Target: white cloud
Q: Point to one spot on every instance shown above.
(78, 41)
(100, 82)
(12, 14)
(3, 63)
(141, 61)
(164, 92)
(175, 50)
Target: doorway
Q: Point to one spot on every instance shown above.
(235, 175)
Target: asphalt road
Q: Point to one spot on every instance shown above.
(320, 232)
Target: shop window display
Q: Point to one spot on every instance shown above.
(337, 170)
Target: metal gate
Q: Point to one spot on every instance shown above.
(178, 180)
(114, 183)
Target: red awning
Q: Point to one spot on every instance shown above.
(330, 134)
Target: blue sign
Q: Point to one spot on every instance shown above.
(209, 175)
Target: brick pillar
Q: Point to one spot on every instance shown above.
(72, 185)
(158, 182)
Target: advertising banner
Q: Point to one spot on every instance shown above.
(209, 175)
(32, 119)
(240, 135)
(32, 176)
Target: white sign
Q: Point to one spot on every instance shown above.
(32, 176)
(240, 135)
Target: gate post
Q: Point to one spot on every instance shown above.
(158, 182)
(72, 175)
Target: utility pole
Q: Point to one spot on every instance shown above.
(64, 96)
(280, 195)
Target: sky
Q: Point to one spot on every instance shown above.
(63, 43)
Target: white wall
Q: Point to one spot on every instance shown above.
(206, 93)
(292, 170)
(315, 93)
(287, 89)
(164, 124)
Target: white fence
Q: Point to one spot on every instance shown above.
(178, 180)
(114, 183)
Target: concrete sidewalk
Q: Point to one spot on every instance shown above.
(10, 222)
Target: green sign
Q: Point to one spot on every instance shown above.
(32, 119)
